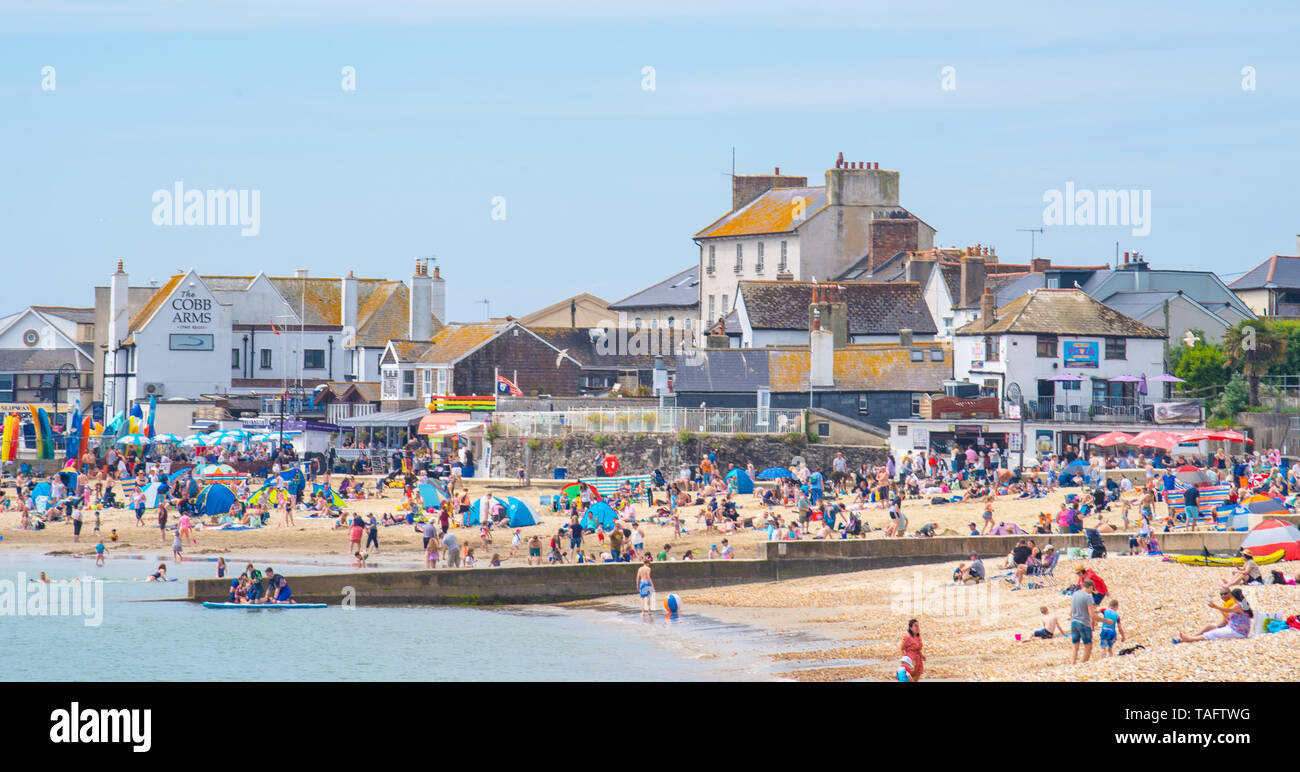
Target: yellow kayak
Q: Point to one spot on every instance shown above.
(1200, 560)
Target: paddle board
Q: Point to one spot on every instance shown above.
(260, 606)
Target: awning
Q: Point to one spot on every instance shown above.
(399, 418)
(462, 427)
(433, 423)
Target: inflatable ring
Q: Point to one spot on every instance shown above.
(610, 465)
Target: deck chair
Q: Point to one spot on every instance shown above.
(1044, 574)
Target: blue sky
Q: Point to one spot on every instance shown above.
(604, 182)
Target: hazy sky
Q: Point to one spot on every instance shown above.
(605, 182)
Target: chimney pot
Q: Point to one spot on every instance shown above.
(777, 171)
(839, 160)
(120, 267)
(877, 166)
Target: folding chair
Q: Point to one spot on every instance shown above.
(1043, 574)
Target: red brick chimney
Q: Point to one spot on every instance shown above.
(1040, 264)
(887, 236)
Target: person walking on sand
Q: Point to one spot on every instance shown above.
(162, 520)
(1083, 615)
(645, 586)
(911, 647)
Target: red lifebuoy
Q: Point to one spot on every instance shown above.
(610, 465)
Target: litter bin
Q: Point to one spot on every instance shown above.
(561, 472)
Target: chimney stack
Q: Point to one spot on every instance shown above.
(1040, 264)
(348, 312)
(821, 350)
(420, 309)
(972, 279)
(905, 337)
(988, 308)
(118, 319)
(300, 273)
(438, 295)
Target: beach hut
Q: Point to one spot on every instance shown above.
(215, 499)
(1273, 535)
(599, 514)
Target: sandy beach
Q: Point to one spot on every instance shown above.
(969, 632)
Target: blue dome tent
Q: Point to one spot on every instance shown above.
(521, 515)
(775, 473)
(740, 479)
(215, 499)
(431, 495)
(600, 514)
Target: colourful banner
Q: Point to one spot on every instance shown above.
(9, 442)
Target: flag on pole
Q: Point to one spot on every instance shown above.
(506, 386)
(274, 329)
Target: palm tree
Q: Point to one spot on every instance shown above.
(1253, 347)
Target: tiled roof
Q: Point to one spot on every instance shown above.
(772, 212)
(893, 269)
(1060, 312)
(875, 308)
(449, 344)
(382, 304)
(16, 360)
(155, 302)
(870, 367)
(681, 290)
(1280, 271)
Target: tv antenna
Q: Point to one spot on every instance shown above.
(1031, 232)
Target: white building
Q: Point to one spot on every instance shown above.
(1062, 349)
(779, 228)
(197, 335)
(45, 358)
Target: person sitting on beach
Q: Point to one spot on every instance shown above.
(1248, 573)
(1238, 615)
(972, 573)
(1051, 626)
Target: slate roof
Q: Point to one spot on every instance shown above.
(1279, 271)
(681, 290)
(724, 370)
(874, 308)
(77, 315)
(15, 360)
(1060, 312)
(600, 356)
(772, 212)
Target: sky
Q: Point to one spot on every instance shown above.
(518, 144)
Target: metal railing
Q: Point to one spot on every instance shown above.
(667, 420)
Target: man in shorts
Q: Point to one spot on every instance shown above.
(452, 546)
(645, 587)
(535, 549)
(1083, 613)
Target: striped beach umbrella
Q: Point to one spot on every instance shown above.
(166, 439)
(137, 440)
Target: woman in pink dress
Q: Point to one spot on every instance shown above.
(911, 647)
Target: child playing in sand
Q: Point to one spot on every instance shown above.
(1051, 626)
(1110, 624)
(988, 516)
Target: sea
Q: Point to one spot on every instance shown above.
(146, 631)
